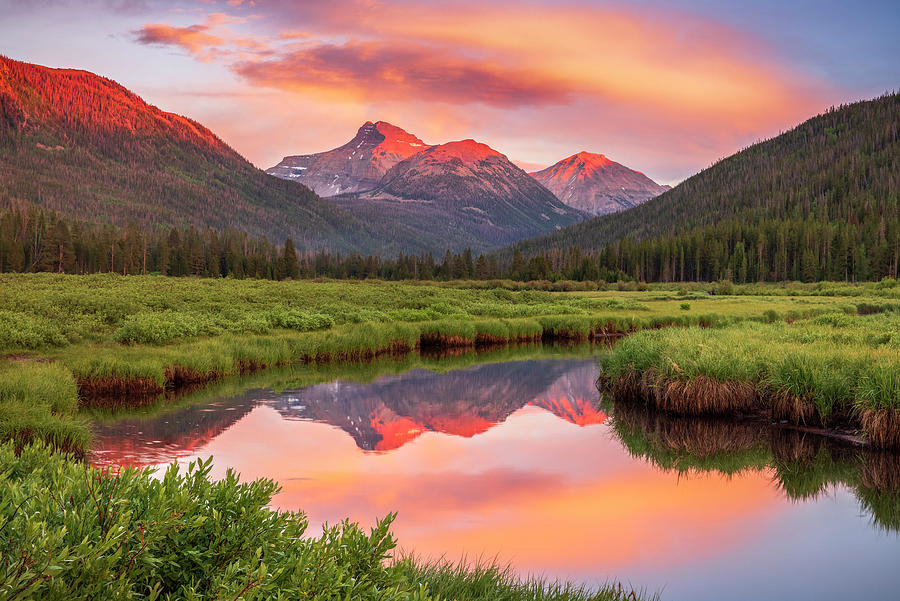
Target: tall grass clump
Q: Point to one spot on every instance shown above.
(38, 403)
(463, 581)
(830, 369)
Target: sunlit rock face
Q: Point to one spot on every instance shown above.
(356, 166)
(475, 196)
(597, 185)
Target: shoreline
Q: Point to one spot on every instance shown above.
(705, 397)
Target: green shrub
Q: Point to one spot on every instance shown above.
(159, 328)
(24, 331)
(72, 533)
(75, 533)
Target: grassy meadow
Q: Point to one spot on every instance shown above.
(70, 342)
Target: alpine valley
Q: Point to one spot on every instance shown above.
(88, 149)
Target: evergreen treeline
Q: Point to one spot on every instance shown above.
(32, 239)
(820, 201)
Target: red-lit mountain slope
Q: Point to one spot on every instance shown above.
(597, 185)
(87, 147)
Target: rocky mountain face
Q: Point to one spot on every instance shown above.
(597, 185)
(356, 166)
(467, 192)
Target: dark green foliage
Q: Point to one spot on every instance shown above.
(820, 202)
(70, 532)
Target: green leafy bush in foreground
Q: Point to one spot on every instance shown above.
(69, 531)
(74, 532)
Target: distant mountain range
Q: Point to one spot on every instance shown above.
(463, 191)
(456, 195)
(588, 182)
(597, 185)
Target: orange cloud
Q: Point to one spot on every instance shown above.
(462, 54)
(396, 71)
(195, 39)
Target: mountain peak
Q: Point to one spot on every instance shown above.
(591, 159)
(468, 151)
(596, 184)
(356, 166)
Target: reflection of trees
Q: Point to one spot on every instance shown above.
(805, 465)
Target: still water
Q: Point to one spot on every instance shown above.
(515, 456)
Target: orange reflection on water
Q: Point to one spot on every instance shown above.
(535, 490)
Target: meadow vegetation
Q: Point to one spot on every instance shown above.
(123, 341)
(74, 348)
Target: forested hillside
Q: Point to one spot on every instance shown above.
(86, 147)
(821, 201)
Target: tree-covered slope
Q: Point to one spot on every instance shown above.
(88, 148)
(819, 201)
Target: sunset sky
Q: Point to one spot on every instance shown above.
(661, 89)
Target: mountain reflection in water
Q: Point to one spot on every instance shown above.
(517, 460)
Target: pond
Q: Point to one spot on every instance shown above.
(513, 455)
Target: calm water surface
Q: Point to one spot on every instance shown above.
(521, 460)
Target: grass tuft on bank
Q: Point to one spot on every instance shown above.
(831, 369)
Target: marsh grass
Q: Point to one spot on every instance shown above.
(832, 369)
(37, 403)
(485, 579)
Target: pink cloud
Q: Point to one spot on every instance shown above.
(664, 92)
(403, 71)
